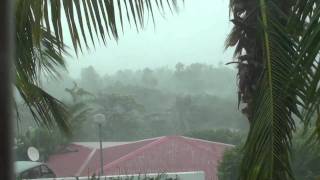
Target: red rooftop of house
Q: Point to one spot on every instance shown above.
(157, 155)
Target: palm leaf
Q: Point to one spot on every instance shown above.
(46, 110)
(100, 16)
(287, 85)
(40, 43)
(307, 63)
(32, 62)
(269, 140)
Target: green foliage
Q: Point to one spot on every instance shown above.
(148, 78)
(90, 80)
(229, 167)
(277, 48)
(96, 18)
(51, 141)
(227, 136)
(47, 142)
(136, 110)
(201, 78)
(40, 43)
(121, 114)
(306, 158)
(305, 161)
(31, 62)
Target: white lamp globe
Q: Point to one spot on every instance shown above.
(99, 118)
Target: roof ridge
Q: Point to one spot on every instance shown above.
(86, 161)
(132, 142)
(78, 143)
(154, 138)
(207, 141)
(137, 151)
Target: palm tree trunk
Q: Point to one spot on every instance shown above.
(248, 51)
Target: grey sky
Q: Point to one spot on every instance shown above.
(196, 34)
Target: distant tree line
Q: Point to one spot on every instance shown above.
(149, 102)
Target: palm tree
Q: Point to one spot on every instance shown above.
(40, 42)
(277, 52)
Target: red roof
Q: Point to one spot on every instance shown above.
(163, 154)
(67, 164)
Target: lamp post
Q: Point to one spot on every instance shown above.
(100, 119)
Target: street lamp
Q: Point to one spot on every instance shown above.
(100, 119)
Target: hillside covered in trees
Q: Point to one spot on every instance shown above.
(148, 102)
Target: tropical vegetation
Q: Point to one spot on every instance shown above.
(277, 52)
(40, 43)
(228, 136)
(135, 109)
(39, 138)
(305, 160)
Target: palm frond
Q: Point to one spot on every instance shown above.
(100, 18)
(269, 141)
(286, 87)
(32, 63)
(40, 41)
(308, 61)
(46, 110)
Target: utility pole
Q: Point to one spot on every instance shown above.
(101, 154)
(100, 119)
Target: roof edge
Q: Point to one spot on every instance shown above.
(207, 141)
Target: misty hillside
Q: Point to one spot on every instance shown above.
(151, 102)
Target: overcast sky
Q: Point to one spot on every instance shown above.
(196, 34)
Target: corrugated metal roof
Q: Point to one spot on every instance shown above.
(69, 163)
(158, 155)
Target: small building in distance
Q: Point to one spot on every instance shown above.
(158, 155)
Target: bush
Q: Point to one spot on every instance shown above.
(227, 136)
(228, 169)
(305, 161)
(45, 141)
